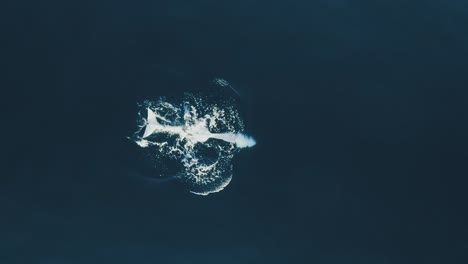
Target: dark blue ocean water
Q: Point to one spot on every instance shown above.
(359, 109)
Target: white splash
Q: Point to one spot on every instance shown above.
(185, 131)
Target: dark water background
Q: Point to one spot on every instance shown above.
(359, 109)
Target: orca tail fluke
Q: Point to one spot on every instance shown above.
(151, 124)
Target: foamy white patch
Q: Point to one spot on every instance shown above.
(186, 131)
(219, 188)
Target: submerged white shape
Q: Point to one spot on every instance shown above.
(195, 133)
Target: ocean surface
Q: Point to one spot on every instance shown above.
(359, 110)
